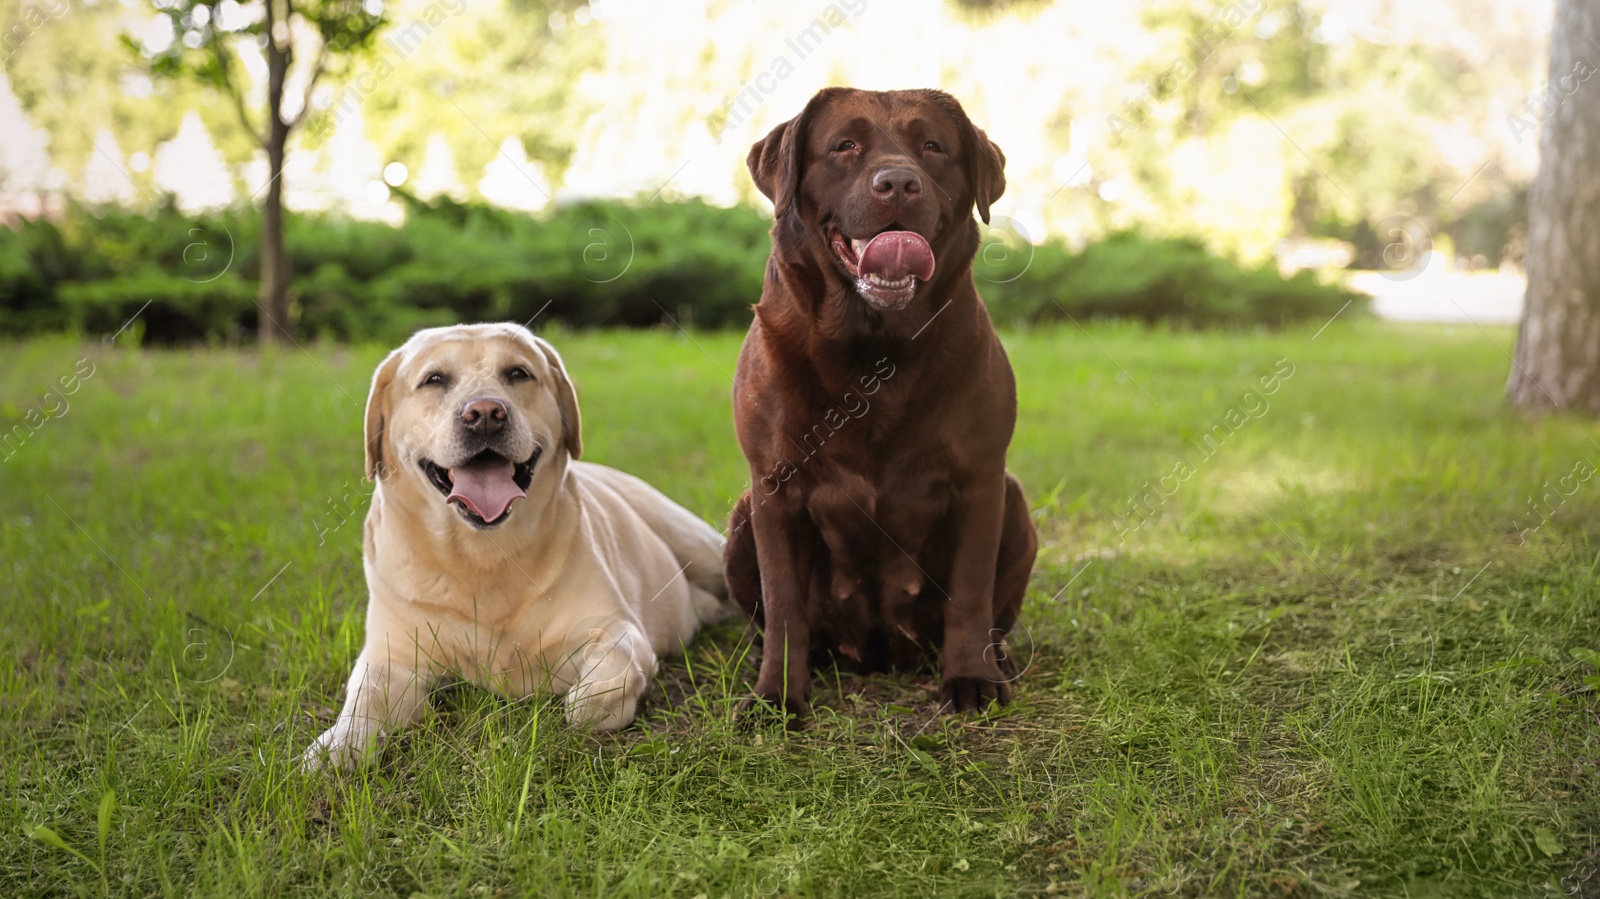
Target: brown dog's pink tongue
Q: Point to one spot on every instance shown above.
(487, 487)
(893, 255)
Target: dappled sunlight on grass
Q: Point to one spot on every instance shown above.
(1340, 660)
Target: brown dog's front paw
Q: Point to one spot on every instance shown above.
(966, 694)
(758, 709)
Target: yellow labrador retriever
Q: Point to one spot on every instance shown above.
(493, 554)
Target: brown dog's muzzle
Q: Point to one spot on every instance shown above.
(897, 186)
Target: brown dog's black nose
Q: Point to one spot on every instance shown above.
(897, 185)
(484, 416)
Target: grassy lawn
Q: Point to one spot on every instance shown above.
(1348, 655)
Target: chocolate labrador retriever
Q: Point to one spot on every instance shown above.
(874, 404)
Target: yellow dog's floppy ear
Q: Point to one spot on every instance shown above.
(566, 398)
(378, 413)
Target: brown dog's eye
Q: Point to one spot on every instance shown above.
(845, 146)
(518, 374)
(932, 145)
(434, 379)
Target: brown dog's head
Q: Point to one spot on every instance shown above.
(884, 183)
(460, 418)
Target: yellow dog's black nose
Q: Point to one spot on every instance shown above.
(484, 415)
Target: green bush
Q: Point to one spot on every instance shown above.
(601, 263)
(1151, 279)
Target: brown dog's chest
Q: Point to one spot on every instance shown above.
(881, 572)
(899, 504)
(878, 466)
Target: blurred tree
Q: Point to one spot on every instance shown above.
(1196, 126)
(469, 88)
(1248, 121)
(73, 83)
(208, 41)
(1557, 363)
(992, 7)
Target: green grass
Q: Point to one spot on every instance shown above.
(1327, 665)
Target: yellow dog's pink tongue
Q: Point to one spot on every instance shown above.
(486, 486)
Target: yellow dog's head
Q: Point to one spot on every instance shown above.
(467, 414)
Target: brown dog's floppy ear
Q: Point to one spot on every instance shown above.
(566, 399)
(986, 169)
(378, 413)
(775, 160)
(774, 163)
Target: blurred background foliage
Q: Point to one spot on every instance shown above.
(598, 263)
(1165, 159)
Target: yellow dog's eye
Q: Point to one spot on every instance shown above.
(518, 374)
(434, 379)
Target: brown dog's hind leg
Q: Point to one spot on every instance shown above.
(1019, 543)
(739, 563)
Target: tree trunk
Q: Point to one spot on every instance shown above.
(274, 323)
(1557, 364)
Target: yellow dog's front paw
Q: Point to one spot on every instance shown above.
(334, 750)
